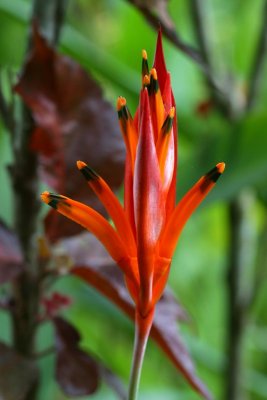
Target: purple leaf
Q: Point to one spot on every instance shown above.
(76, 372)
(73, 122)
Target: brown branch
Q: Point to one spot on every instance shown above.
(27, 204)
(198, 17)
(259, 60)
(237, 298)
(171, 34)
(26, 288)
(168, 32)
(261, 262)
(239, 301)
(236, 304)
(219, 96)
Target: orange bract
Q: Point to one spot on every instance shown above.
(148, 227)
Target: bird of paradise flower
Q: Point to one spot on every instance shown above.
(146, 229)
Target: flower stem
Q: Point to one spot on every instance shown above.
(142, 330)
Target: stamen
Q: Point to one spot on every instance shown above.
(212, 176)
(154, 84)
(221, 167)
(53, 199)
(156, 103)
(146, 81)
(87, 172)
(167, 125)
(145, 69)
(127, 128)
(144, 54)
(121, 108)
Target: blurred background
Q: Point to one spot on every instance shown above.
(219, 270)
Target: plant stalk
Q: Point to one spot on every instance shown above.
(236, 309)
(258, 62)
(26, 288)
(142, 331)
(240, 287)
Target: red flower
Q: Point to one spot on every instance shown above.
(146, 229)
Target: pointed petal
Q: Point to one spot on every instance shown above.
(95, 223)
(145, 69)
(171, 196)
(148, 199)
(128, 194)
(112, 205)
(162, 269)
(167, 95)
(185, 208)
(169, 102)
(166, 151)
(159, 62)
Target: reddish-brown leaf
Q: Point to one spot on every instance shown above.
(11, 261)
(77, 372)
(95, 267)
(17, 374)
(73, 122)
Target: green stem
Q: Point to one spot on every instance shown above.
(142, 330)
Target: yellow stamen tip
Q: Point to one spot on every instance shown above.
(144, 54)
(121, 102)
(146, 80)
(81, 164)
(172, 112)
(45, 197)
(154, 74)
(220, 167)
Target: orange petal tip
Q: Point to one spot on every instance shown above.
(146, 80)
(144, 54)
(172, 112)
(220, 167)
(88, 173)
(154, 74)
(215, 173)
(53, 199)
(121, 102)
(81, 164)
(45, 197)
